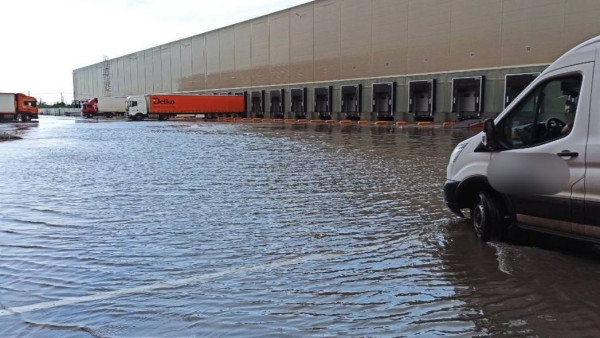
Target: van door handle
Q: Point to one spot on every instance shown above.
(567, 153)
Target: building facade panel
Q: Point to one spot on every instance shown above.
(120, 77)
(198, 79)
(141, 63)
(327, 40)
(113, 77)
(355, 39)
(165, 64)
(279, 51)
(185, 82)
(389, 43)
(302, 43)
(476, 30)
(84, 83)
(532, 31)
(260, 52)
(99, 80)
(175, 51)
(428, 36)
(126, 75)
(581, 21)
(243, 61)
(133, 71)
(227, 57)
(213, 71)
(157, 71)
(149, 70)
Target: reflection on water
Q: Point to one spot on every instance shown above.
(178, 229)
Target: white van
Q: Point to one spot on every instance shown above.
(551, 134)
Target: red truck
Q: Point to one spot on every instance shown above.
(18, 107)
(104, 106)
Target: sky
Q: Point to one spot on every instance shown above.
(43, 41)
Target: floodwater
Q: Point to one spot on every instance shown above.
(210, 229)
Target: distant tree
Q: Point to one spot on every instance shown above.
(43, 104)
(58, 105)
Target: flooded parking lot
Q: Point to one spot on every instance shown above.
(192, 228)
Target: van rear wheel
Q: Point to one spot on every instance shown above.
(486, 217)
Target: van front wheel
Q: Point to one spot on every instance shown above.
(486, 217)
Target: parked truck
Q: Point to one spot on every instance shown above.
(18, 107)
(104, 106)
(164, 107)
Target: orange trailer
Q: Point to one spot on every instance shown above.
(166, 106)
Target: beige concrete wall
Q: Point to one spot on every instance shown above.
(227, 57)
(301, 43)
(185, 81)
(279, 47)
(243, 60)
(149, 71)
(198, 78)
(175, 57)
(328, 40)
(260, 51)
(141, 72)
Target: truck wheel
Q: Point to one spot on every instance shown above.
(486, 217)
(19, 117)
(109, 115)
(138, 117)
(90, 116)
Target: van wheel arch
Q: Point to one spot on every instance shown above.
(476, 192)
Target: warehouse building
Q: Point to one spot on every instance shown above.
(438, 60)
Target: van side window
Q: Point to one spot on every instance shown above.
(547, 113)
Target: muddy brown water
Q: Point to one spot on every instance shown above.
(209, 229)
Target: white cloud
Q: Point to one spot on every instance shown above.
(43, 41)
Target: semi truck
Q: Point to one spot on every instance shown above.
(18, 107)
(164, 107)
(104, 106)
(537, 165)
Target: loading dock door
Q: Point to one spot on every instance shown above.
(421, 99)
(277, 103)
(323, 102)
(384, 100)
(467, 97)
(514, 84)
(298, 102)
(351, 101)
(258, 99)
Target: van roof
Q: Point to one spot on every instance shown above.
(584, 52)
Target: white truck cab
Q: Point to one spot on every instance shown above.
(557, 115)
(136, 107)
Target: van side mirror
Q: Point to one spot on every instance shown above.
(489, 129)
